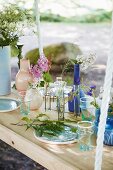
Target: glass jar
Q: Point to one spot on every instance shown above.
(35, 98)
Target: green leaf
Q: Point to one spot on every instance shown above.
(26, 119)
(46, 127)
(95, 104)
(14, 51)
(41, 114)
(47, 77)
(74, 129)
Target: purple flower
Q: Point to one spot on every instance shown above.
(42, 66)
(43, 63)
(93, 86)
(90, 92)
(35, 70)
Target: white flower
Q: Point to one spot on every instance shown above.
(86, 60)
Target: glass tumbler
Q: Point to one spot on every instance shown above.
(60, 99)
(85, 131)
(86, 108)
(24, 105)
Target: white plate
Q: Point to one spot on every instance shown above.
(65, 137)
(8, 104)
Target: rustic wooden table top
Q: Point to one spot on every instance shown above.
(53, 157)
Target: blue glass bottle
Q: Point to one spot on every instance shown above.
(77, 89)
(74, 105)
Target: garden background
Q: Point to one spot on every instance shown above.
(84, 23)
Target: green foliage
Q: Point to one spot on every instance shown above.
(9, 18)
(43, 125)
(33, 56)
(95, 16)
(86, 88)
(49, 128)
(68, 79)
(11, 24)
(94, 102)
(69, 65)
(14, 50)
(50, 51)
(47, 77)
(110, 110)
(49, 17)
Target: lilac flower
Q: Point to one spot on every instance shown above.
(43, 63)
(35, 70)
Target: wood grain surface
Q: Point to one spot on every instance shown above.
(53, 157)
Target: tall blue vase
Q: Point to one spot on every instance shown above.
(74, 105)
(5, 71)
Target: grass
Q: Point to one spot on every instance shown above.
(97, 16)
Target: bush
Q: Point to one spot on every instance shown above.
(94, 17)
(52, 17)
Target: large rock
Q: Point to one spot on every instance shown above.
(58, 53)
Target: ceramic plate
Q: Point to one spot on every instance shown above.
(65, 137)
(8, 104)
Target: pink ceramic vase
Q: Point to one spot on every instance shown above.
(23, 77)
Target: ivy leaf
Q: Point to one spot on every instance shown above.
(26, 119)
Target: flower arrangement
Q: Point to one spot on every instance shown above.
(12, 22)
(84, 60)
(97, 100)
(42, 67)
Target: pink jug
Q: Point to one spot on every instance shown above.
(23, 77)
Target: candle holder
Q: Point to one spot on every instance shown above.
(61, 105)
(56, 94)
(48, 99)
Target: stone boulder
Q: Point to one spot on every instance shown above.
(58, 53)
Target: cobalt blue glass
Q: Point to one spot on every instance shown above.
(108, 134)
(71, 103)
(76, 74)
(74, 105)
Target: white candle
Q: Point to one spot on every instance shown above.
(37, 14)
(104, 106)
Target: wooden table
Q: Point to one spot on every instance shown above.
(53, 157)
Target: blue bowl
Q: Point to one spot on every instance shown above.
(108, 134)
